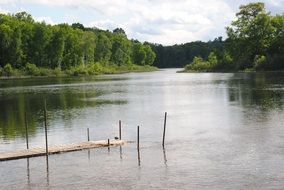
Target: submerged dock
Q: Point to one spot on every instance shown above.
(40, 151)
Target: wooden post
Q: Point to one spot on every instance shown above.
(27, 135)
(138, 139)
(45, 127)
(88, 134)
(119, 129)
(108, 144)
(164, 133)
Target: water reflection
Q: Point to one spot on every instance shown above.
(138, 157)
(257, 90)
(165, 157)
(120, 152)
(16, 101)
(28, 171)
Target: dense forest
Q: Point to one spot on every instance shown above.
(36, 48)
(255, 42)
(177, 56)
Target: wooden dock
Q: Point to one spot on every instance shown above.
(34, 152)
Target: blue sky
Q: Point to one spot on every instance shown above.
(161, 21)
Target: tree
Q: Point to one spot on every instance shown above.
(120, 51)
(56, 48)
(88, 47)
(78, 26)
(103, 48)
(5, 41)
(150, 55)
(212, 59)
(119, 31)
(250, 34)
(138, 54)
(24, 16)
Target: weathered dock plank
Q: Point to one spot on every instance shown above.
(39, 151)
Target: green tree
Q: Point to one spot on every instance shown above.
(88, 43)
(120, 51)
(212, 59)
(119, 31)
(5, 41)
(150, 55)
(56, 48)
(138, 54)
(103, 48)
(250, 34)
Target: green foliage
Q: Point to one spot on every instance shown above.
(103, 48)
(212, 59)
(119, 31)
(180, 55)
(150, 55)
(256, 32)
(259, 62)
(63, 49)
(8, 69)
(198, 64)
(31, 69)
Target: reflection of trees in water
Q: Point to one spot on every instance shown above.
(13, 107)
(264, 91)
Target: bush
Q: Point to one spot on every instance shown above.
(45, 72)
(8, 70)
(57, 72)
(32, 69)
(95, 68)
(259, 62)
(198, 64)
(1, 71)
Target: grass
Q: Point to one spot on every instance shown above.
(31, 70)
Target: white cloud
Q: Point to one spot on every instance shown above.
(161, 21)
(47, 20)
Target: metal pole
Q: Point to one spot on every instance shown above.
(27, 135)
(164, 132)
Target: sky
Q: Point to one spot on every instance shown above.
(165, 22)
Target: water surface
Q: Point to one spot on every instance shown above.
(224, 131)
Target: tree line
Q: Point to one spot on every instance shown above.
(29, 45)
(255, 42)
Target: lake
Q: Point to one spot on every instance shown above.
(224, 131)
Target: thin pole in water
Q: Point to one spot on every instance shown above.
(164, 132)
(88, 134)
(108, 144)
(119, 129)
(45, 127)
(27, 135)
(138, 138)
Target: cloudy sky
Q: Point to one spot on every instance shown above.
(161, 21)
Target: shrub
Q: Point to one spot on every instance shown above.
(259, 62)
(45, 72)
(8, 70)
(57, 72)
(32, 69)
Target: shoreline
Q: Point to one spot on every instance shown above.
(64, 75)
(192, 71)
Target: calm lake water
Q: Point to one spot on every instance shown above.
(224, 131)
